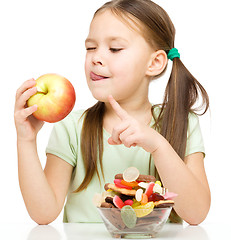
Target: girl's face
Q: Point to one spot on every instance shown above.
(117, 59)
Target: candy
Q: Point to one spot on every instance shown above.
(131, 174)
(143, 184)
(138, 195)
(120, 185)
(157, 188)
(141, 178)
(97, 199)
(108, 194)
(155, 197)
(158, 182)
(130, 184)
(128, 216)
(144, 199)
(118, 202)
(144, 210)
(164, 203)
(170, 195)
(128, 202)
(120, 190)
(135, 203)
(135, 195)
(149, 189)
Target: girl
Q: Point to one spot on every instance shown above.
(129, 44)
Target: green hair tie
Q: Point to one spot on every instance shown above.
(173, 53)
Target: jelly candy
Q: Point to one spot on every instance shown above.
(149, 189)
(130, 184)
(138, 196)
(144, 210)
(143, 184)
(157, 188)
(128, 216)
(131, 174)
(158, 182)
(128, 202)
(120, 185)
(144, 199)
(155, 197)
(97, 199)
(118, 202)
(135, 203)
(170, 195)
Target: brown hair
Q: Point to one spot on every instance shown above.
(181, 93)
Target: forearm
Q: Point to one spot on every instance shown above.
(193, 201)
(38, 196)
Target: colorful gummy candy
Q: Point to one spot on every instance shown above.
(135, 195)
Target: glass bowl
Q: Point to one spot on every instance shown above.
(144, 227)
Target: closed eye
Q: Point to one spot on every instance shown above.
(90, 48)
(115, 49)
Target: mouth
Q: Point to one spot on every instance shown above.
(95, 77)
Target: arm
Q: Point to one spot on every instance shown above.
(42, 197)
(186, 178)
(44, 192)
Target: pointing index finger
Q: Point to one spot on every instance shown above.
(121, 113)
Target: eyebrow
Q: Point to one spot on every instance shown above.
(110, 39)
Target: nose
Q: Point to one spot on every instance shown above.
(97, 58)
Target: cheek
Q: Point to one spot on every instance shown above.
(86, 65)
(128, 69)
(121, 67)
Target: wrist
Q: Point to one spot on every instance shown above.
(161, 146)
(26, 141)
(153, 142)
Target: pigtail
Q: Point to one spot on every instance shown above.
(181, 94)
(92, 143)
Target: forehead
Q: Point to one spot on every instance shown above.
(107, 22)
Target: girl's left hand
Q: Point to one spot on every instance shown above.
(130, 132)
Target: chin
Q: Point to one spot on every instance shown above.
(101, 97)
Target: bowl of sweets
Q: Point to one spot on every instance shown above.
(135, 205)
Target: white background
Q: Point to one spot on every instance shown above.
(45, 36)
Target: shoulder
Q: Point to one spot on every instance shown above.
(73, 118)
(193, 122)
(71, 123)
(74, 115)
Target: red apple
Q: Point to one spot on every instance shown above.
(55, 98)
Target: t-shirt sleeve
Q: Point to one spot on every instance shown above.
(195, 141)
(63, 141)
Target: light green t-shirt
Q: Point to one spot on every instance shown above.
(64, 142)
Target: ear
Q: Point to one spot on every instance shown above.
(157, 63)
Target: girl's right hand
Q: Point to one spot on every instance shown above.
(27, 126)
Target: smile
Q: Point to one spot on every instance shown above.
(95, 77)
